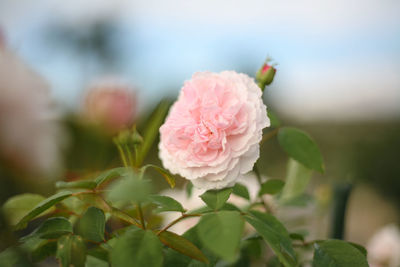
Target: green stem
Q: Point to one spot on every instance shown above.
(184, 216)
(130, 158)
(122, 155)
(258, 175)
(140, 213)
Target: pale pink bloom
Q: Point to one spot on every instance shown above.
(384, 247)
(111, 103)
(212, 133)
(29, 134)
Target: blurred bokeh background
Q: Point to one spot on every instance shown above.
(337, 78)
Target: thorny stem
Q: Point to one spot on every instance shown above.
(184, 216)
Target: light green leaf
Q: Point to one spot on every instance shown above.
(110, 174)
(301, 147)
(166, 204)
(150, 133)
(137, 248)
(337, 253)
(19, 206)
(129, 189)
(241, 191)
(275, 234)
(272, 187)
(221, 233)
(297, 181)
(167, 176)
(124, 216)
(92, 225)
(215, 199)
(51, 228)
(182, 245)
(41, 207)
(95, 262)
(86, 184)
(71, 251)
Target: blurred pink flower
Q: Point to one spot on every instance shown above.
(212, 133)
(29, 134)
(384, 247)
(111, 103)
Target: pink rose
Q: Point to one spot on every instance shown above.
(212, 133)
(111, 103)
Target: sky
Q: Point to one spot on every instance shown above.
(337, 60)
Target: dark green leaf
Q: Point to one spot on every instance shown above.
(92, 225)
(99, 252)
(338, 253)
(166, 203)
(272, 187)
(137, 248)
(221, 232)
(18, 206)
(275, 234)
(41, 207)
(296, 236)
(182, 245)
(12, 257)
(71, 251)
(167, 176)
(76, 184)
(150, 133)
(362, 249)
(301, 147)
(51, 228)
(44, 250)
(124, 216)
(297, 180)
(241, 190)
(110, 174)
(215, 199)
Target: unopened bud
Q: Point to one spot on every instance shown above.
(136, 138)
(265, 75)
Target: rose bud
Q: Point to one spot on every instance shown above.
(265, 75)
(111, 104)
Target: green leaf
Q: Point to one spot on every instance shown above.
(176, 259)
(275, 234)
(19, 206)
(189, 189)
(71, 251)
(99, 252)
(14, 257)
(137, 248)
(129, 189)
(76, 184)
(297, 180)
(95, 262)
(51, 228)
(221, 232)
(272, 187)
(362, 249)
(296, 236)
(166, 204)
(337, 253)
(44, 250)
(215, 199)
(241, 191)
(301, 147)
(167, 176)
(41, 207)
(110, 174)
(92, 225)
(150, 133)
(123, 216)
(182, 245)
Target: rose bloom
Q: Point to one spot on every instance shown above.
(110, 103)
(212, 133)
(384, 247)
